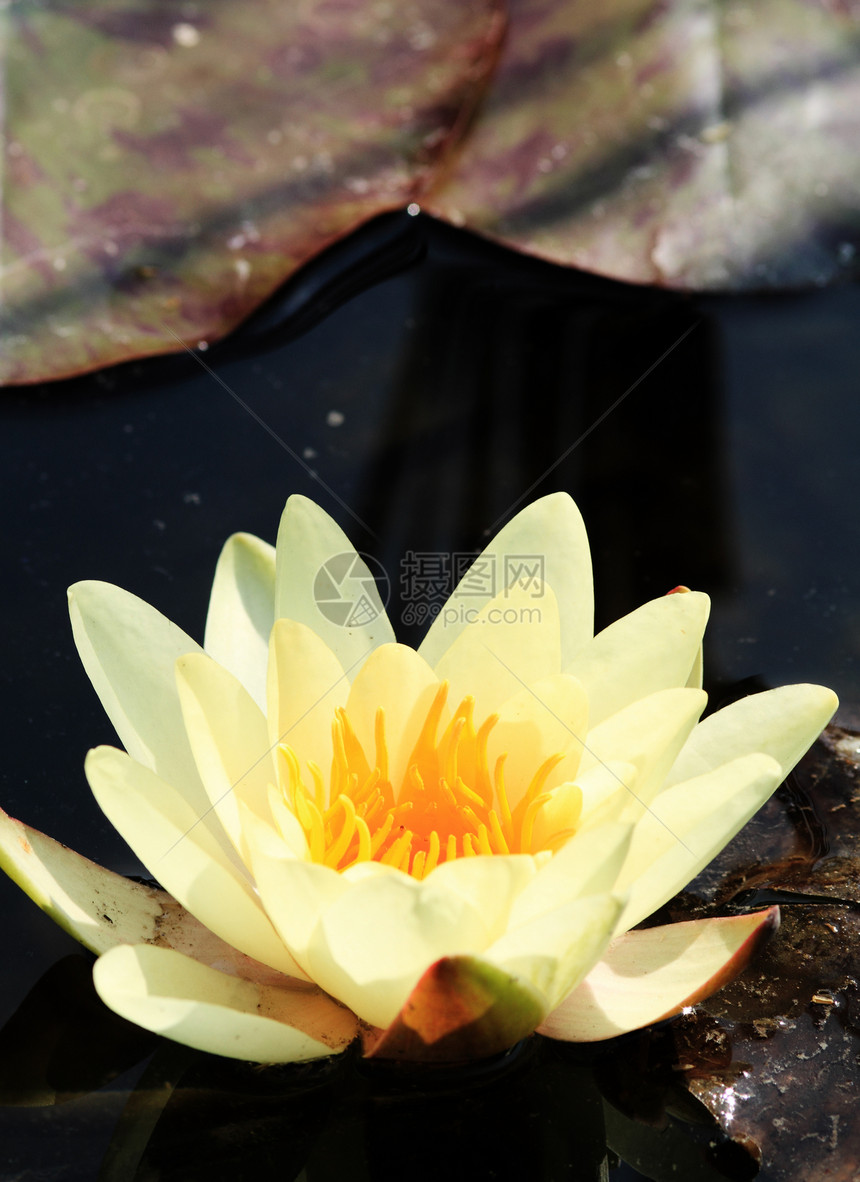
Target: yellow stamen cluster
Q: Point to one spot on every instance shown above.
(447, 806)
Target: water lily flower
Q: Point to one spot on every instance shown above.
(440, 851)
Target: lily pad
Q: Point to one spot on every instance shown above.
(690, 145)
(167, 166)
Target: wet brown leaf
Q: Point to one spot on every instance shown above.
(707, 145)
(775, 1056)
(165, 172)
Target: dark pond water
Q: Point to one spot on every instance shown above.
(421, 385)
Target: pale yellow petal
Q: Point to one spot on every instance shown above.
(294, 892)
(306, 684)
(129, 651)
(781, 722)
(588, 864)
(491, 885)
(558, 816)
(606, 790)
(286, 824)
(686, 826)
(513, 641)
(172, 995)
(652, 648)
(308, 539)
(242, 611)
(374, 941)
(648, 975)
(160, 828)
(546, 540)
(547, 718)
(649, 733)
(555, 949)
(230, 740)
(94, 905)
(395, 679)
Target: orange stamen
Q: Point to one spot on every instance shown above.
(447, 805)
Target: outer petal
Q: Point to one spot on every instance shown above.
(173, 995)
(649, 975)
(513, 641)
(129, 651)
(396, 679)
(230, 740)
(462, 1008)
(95, 906)
(160, 828)
(553, 951)
(687, 826)
(306, 683)
(242, 611)
(782, 722)
(652, 648)
(103, 909)
(548, 535)
(307, 539)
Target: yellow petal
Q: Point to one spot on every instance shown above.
(542, 719)
(781, 722)
(557, 815)
(161, 829)
(548, 536)
(686, 826)
(94, 905)
(308, 539)
(553, 951)
(229, 738)
(588, 864)
(649, 734)
(373, 942)
(490, 885)
(606, 790)
(129, 651)
(395, 679)
(645, 976)
(170, 994)
(306, 684)
(293, 892)
(652, 648)
(242, 611)
(513, 641)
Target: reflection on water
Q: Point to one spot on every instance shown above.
(428, 403)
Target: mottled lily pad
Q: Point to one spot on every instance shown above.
(168, 165)
(692, 145)
(773, 1057)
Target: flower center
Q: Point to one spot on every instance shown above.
(448, 804)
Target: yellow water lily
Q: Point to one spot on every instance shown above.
(441, 850)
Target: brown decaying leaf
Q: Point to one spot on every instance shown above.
(691, 145)
(774, 1056)
(164, 173)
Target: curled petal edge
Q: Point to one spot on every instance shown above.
(651, 974)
